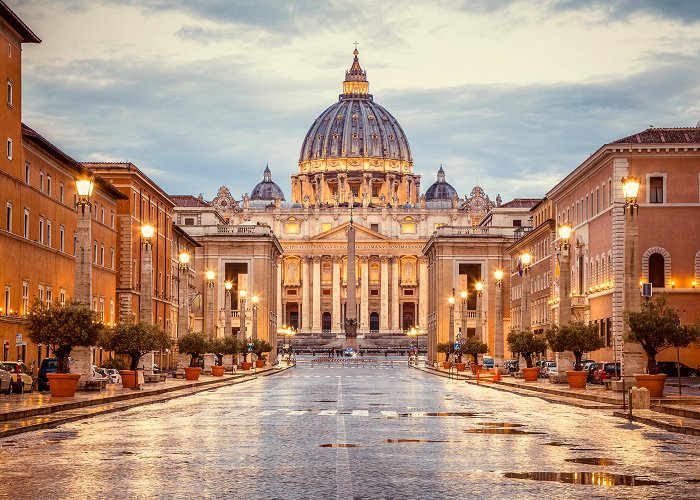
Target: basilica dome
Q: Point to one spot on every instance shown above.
(267, 190)
(355, 126)
(441, 189)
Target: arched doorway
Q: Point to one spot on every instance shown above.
(374, 322)
(326, 322)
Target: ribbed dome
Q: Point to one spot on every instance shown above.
(267, 189)
(440, 190)
(355, 126)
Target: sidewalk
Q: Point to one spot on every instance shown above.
(38, 410)
(672, 412)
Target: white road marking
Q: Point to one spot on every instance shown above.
(360, 413)
(389, 413)
(328, 412)
(296, 412)
(343, 479)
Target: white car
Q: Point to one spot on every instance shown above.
(5, 381)
(114, 377)
(98, 372)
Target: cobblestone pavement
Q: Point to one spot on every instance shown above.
(371, 430)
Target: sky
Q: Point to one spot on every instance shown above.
(509, 95)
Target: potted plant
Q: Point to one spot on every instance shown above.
(446, 348)
(657, 326)
(525, 343)
(261, 348)
(134, 340)
(577, 337)
(195, 344)
(473, 347)
(221, 347)
(458, 359)
(245, 364)
(62, 328)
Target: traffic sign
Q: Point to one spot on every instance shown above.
(18, 339)
(458, 346)
(250, 347)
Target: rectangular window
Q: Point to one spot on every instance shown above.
(8, 217)
(111, 258)
(102, 255)
(103, 215)
(48, 184)
(111, 219)
(26, 223)
(75, 244)
(49, 296)
(408, 228)
(27, 170)
(8, 309)
(94, 252)
(656, 190)
(40, 293)
(25, 298)
(291, 228)
(62, 297)
(189, 221)
(9, 93)
(62, 239)
(61, 192)
(517, 222)
(326, 226)
(9, 148)
(111, 311)
(49, 241)
(41, 180)
(374, 227)
(41, 230)
(102, 309)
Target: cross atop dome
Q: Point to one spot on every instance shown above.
(356, 84)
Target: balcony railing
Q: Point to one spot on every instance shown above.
(579, 301)
(492, 231)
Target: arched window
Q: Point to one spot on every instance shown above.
(656, 270)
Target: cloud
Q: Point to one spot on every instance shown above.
(684, 11)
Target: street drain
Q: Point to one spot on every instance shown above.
(500, 424)
(589, 478)
(339, 445)
(415, 441)
(497, 430)
(602, 462)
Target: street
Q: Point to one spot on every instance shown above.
(370, 428)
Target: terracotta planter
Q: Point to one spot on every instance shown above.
(577, 379)
(461, 367)
(63, 385)
(259, 363)
(192, 373)
(217, 371)
(130, 379)
(475, 369)
(446, 365)
(246, 365)
(653, 383)
(530, 374)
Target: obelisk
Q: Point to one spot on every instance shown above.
(351, 302)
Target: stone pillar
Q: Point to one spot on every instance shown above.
(305, 294)
(364, 295)
(82, 357)
(479, 318)
(183, 312)
(335, 320)
(632, 354)
(146, 302)
(384, 293)
(565, 284)
(281, 320)
(254, 312)
(209, 324)
(423, 293)
(351, 301)
(526, 319)
(316, 323)
(228, 331)
(395, 295)
(242, 334)
(498, 348)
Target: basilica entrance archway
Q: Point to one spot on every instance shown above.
(374, 322)
(326, 322)
(409, 315)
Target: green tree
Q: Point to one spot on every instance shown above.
(525, 343)
(260, 347)
(446, 348)
(223, 346)
(657, 326)
(195, 344)
(62, 328)
(473, 347)
(577, 337)
(135, 340)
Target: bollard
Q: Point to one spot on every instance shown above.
(497, 376)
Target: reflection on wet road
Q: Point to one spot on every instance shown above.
(371, 431)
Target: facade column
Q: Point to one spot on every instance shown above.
(305, 294)
(281, 320)
(364, 295)
(422, 319)
(228, 330)
(335, 320)
(384, 293)
(183, 314)
(526, 319)
(632, 355)
(479, 318)
(82, 357)
(395, 294)
(498, 327)
(316, 321)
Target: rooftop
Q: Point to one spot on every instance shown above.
(681, 135)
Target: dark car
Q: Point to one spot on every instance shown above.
(48, 365)
(606, 371)
(670, 368)
(590, 367)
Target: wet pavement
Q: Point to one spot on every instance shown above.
(370, 430)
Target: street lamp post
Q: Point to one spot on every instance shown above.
(479, 287)
(209, 292)
(228, 285)
(255, 299)
(241, 315)
(146, 301)
(451, 302)
(184, 313)
(564, 274)
(498, 327)
(415, 331)
(525, 321)
(463, 295)
(81, 357)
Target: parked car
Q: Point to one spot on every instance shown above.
(114, 376)
(544, 366)
(489, 362)
(590, 368)
(22, 380)
(98, 372)
(349, 351)
(605, 371)
(5, 381)
(551, 370)
(512, 365)
(48, 365)
(156, 368)
(670, 368)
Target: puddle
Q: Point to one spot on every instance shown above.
(379, 404)
(451, 414)
(602, 462)
(416, 441)
(325, 401)
(499, 430)
(591, 478)
(556, 443)
(339, 445)
(61, 436)
(506, 425)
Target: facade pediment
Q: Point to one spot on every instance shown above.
(339, 233)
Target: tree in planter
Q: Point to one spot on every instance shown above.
(657, 327)
(446, 348)
(134, 340)
(577, 337)
(195, 344)
(62, 328)
(223, 346)
(260, 347)
(525, 343)
(473, 347)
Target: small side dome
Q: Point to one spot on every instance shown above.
(267, 190)
(441, 189)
